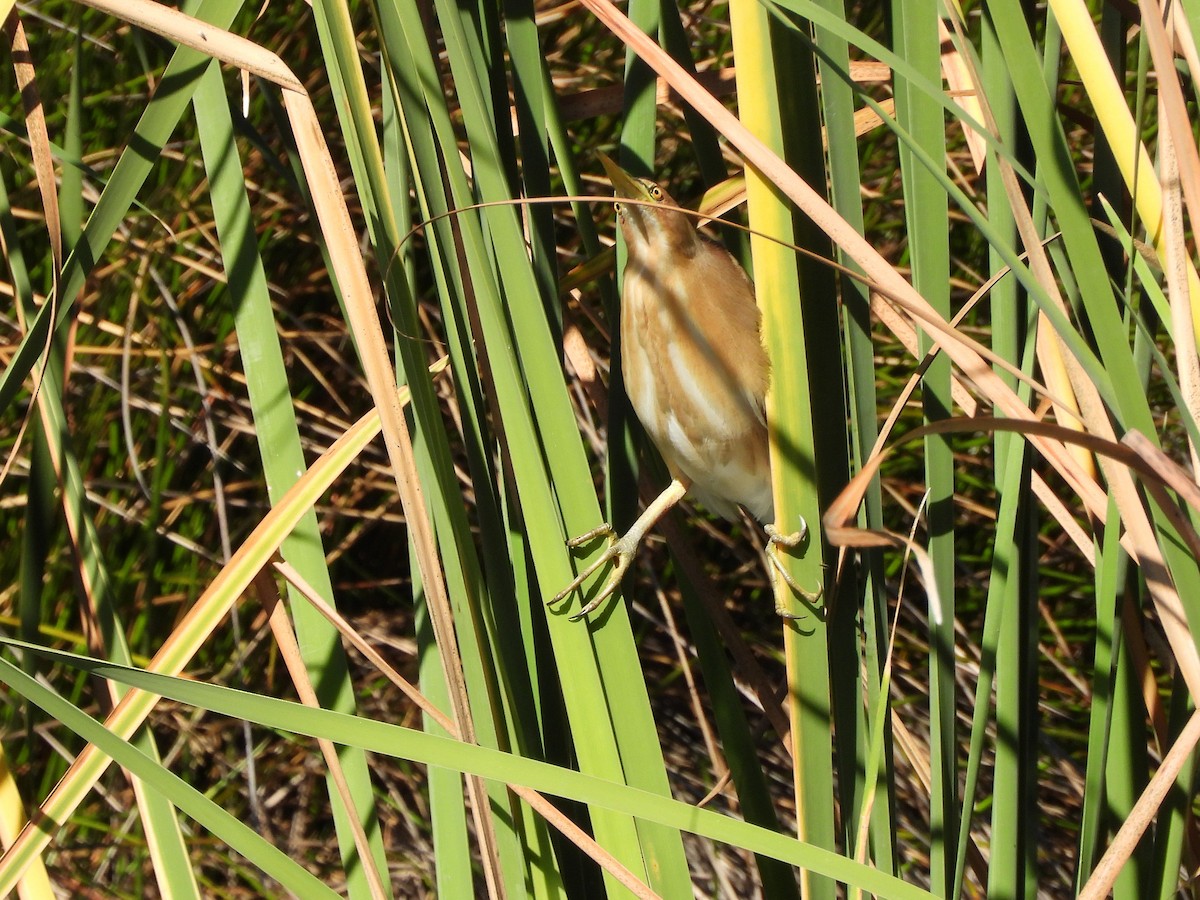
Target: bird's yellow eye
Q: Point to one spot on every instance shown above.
(656, 192)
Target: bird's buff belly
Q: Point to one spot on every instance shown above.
(724, 474)
(726, 467)
(705, 428)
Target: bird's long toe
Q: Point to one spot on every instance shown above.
(601, 530)
(620, 553)
(610, 586)
(776, 540)
(792, 540)
(582, 577)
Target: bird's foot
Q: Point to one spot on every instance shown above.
(620, 550)
(620, 553)
(776, 540)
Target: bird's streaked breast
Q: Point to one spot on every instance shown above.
(695, 372)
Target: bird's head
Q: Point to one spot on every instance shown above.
(651, 231)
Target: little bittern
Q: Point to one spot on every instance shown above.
(695, 371)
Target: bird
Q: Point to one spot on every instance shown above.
(696, 373)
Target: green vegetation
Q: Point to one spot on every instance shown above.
(980, 299)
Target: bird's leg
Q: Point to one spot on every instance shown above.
(620, 551)
(775, 540)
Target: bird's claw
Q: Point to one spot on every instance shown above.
(775, 540)
(620, 551)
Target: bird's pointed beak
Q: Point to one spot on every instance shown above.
(624, 184)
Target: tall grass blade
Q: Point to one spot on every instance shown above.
(929, 258)
(279, 442)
